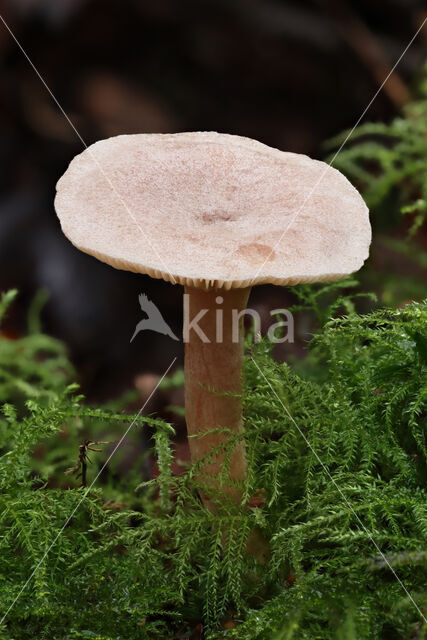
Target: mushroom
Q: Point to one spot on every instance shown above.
(216, 213)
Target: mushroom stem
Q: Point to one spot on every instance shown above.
(213, 366)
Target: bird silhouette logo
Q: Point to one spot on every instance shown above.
(154, 322)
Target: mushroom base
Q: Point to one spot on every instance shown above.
(213, 388)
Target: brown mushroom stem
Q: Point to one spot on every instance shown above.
(212, 368)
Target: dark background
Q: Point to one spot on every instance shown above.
(290, 74)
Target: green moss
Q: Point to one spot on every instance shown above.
(388, 163)
(341, 461)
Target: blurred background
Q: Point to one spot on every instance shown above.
(288, 73)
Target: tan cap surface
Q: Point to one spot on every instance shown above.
(212, 210)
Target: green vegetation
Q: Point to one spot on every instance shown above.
(338, 466)
(388, 163)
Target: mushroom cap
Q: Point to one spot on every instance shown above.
(212, 210)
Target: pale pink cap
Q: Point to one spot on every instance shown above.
(212, 210)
